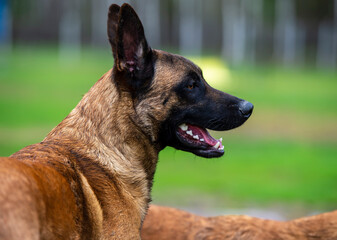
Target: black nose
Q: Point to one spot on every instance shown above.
(246, 108)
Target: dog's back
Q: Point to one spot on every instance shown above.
(36, 200)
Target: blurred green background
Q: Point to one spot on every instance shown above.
(283, 159)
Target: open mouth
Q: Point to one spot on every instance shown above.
(198, 141)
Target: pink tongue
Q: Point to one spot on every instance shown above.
(202, 133)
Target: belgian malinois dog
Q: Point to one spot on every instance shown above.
(91, 177)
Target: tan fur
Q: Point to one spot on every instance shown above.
(164, 223)
(95, 214)
(91, 177)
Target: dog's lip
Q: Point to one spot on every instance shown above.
(198, 138)
(210, 153)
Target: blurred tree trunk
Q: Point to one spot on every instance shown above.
(70, 30)
(234, 32)
(326, 56)
(325, 46)
(227, 18)
(301, 35)
(254, 28)
(99, 13)
(148, 11)
(334, 48)
(190, 32)
(285, 31)
(239, 35)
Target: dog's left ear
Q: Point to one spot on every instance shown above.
(112, 26)
(131, 51)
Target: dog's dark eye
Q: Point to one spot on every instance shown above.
(191, 85)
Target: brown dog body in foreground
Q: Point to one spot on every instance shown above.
(164, 223)
(91, 177)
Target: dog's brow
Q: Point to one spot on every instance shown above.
(194, 75)
(199, 70)
(201, 73)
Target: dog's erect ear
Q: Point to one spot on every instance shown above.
(133, 54)
(112, 26)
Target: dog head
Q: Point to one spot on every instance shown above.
(172, 102)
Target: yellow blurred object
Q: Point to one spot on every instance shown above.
(214, 70)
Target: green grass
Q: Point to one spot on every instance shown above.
(38, 87)
(286, 152)
(262, 171)
(303, 90)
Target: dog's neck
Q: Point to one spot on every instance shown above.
(103, 124)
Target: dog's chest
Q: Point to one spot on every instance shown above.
(116, 208)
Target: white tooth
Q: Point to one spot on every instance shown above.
(220, 139)
(217, 145)
(189, 133)
(202, 140)
(183, 127)
(196, 137)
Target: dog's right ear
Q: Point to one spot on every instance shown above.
(112, 27)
